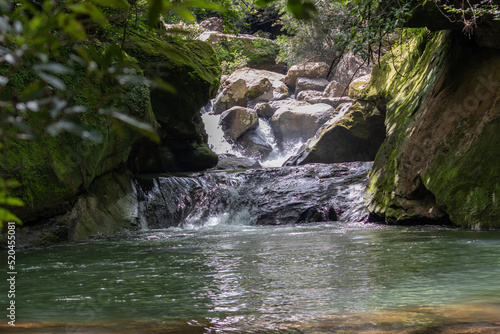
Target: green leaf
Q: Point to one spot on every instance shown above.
(53, 68)
(90, 9)
(7, 216)
(12, 201)
(155, 9)
(143, 128)
(185, 14)
(65, 125)
(301, 10)
(73, 27)
(157, 82)
(52, 80)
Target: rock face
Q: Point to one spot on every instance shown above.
(354, 136)
(318, 84)
(195, 75)
(306, 70)
(350, 68)
(91, 181)
(441, 157)
(234, 94)
(236, 121)
(300, 123)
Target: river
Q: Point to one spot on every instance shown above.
(324, 277)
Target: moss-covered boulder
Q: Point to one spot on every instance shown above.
(440, 159)
(53, 171)
(192, 69)
(355, 134)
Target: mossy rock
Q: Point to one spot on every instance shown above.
(192, 69)
(440, 159)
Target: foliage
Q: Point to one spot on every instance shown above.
(337, 26)
(470, 13)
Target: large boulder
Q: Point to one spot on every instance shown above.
(314, 97)
(262, 85)
(236, 121)
(300, 123)
(355, 135)
(307, 70)
(318, 84)
(440, 159)
(192, 68)
(234, 94)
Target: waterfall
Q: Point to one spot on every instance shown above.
(271, 196)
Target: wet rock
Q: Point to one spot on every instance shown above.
(271, 196)
(307, 70)
(356, 136)
(229, 161)
(318, 84)
(236, 121)
(299, 123)
(234, 94)
(264, 110)
(252, 144)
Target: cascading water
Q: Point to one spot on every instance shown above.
(272, 196)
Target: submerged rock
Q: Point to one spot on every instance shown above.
(264, 110)
(271, 196)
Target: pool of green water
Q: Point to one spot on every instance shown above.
(259, 279)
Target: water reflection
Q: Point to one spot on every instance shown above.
(251, 278)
